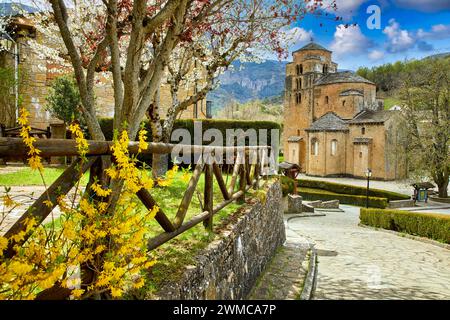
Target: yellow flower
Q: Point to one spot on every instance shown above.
(48, 203)
(116, 292)
(140, 283)
(143, 145)
(3, 244)
(98, 189)
(77, 293)
(7, 201)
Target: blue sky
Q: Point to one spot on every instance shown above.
(410, 29)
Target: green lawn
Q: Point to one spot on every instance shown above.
(390, 102)
(28, 177)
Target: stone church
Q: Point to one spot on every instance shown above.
(333, 123)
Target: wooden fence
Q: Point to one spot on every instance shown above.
(246, 174)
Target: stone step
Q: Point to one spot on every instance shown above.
(284, 277)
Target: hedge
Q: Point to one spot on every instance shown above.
(107, 126)
(429, 225)
(287, 185)
(356, 200)
(352, 190)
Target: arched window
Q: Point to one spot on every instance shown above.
(363, 130)
(325, 68)
(314, 147)
(301, 69)
(333, 147)
(326, 99)
(298, 98)
(343, 103)
(299, 83)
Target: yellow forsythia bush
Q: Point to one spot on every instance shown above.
(110, 243)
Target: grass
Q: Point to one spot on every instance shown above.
(390, 102)
(173, 256)
(28, 177)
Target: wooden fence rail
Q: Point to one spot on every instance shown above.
(244, 172)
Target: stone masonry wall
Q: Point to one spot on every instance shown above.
(229, 267)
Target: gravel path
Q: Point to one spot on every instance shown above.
(362, 263)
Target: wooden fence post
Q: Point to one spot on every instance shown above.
(208, 197)
(242, 183)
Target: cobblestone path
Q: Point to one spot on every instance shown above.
(362, 263)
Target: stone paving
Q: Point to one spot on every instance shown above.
(362, 263)
(283, 278)
(25, 196)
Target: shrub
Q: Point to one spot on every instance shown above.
(429, 225)
(352, 190)
(222, 125)
(64, 98)
(287, 185)
(356, 200)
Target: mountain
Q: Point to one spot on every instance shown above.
(438, 56)
(249, 81)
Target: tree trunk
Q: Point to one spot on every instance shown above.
(442, 188)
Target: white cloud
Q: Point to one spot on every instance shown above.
(398, 40)
(376, 55)
(350, 41)
(439, 31)
(424, 5)
(297, 35)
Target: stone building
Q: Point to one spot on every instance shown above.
(333, 123)
(37, 75)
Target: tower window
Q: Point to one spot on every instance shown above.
(298, 98)
(314, 147)
(333, 147)
(325, 68)
(299, 83)
(326, 99)
(343, 103)
(363, 130)
(299, 68)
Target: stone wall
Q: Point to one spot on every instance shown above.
(229, 267)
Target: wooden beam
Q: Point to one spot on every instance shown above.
(40, 210)
(68, 147)
(237, 165)
(166, 236)
(149, 203)
(186, 201)
(220, 182)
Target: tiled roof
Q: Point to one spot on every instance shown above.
(341, 77)
(312, 46)
(371, 116)
(328, 122)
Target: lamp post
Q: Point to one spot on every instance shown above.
(368, 175)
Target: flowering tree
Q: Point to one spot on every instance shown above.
(136, 41)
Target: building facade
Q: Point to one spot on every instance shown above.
(37, 74)
(333, 123)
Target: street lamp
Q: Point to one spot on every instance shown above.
(368, 175)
